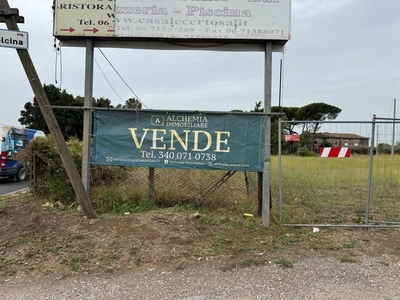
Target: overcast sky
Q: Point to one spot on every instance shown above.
(342, 52)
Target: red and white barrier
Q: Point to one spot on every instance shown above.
(334, 152)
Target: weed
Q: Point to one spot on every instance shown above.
(229, 267)
(243, 264)
(2, 207)
(11, 272)
(396, 251)
(284, 263)
(79, 259)
(199, 226)
(5, 262)
(334, 248)
(74, 267)
(286, 241)
(346, 259)
(224, 220)
(359, 220)
(251, 262)
(133, 250)
(349, 245)
(111, 256)
(138, 262)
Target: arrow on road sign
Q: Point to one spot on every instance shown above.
(94, 30)
(68, 29)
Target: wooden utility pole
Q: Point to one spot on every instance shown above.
(8, 15)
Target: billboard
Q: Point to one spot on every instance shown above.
(179, 140)
(178, 19)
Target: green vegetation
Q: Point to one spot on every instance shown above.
(396, 251)
(284, 263)
(334, 191)
(346, 259)
(69, 120)
(2, 207)
(314, 190)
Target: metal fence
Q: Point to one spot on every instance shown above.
(306, 189)
(360, 190)
(218, 188)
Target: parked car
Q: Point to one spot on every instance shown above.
(13, 139)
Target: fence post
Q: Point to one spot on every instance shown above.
(280, 168)
(371, 158)
(152, 190)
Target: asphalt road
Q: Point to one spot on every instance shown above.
(7, 186)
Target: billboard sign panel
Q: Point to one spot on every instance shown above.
(86, 18)
(178, 19)
(179, 140)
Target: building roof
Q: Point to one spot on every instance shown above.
(340, 136)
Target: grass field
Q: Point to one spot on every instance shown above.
(315, 190)
(334, 190)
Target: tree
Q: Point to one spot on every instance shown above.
(132, 103)
(257, 107)
(69, 120)
(312, 112)
(316, 112)
(288, 128)
(101, 102)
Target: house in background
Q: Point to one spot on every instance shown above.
(351, 140)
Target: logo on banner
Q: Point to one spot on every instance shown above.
(157, 120)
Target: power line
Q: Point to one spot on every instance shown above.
(108, 80)
(122, 78)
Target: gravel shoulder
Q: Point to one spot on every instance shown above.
(49, 253)
(320, 278)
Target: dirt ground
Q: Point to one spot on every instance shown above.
(38, 241)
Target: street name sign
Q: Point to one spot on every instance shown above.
(14, 39)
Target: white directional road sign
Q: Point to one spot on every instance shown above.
(14, 39)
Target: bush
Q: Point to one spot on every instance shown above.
(116, 189)
(303, 151)
(51, 180)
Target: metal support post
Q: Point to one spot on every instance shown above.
(87, 116)
(267, 146)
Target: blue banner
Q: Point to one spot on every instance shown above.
(179, 140)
